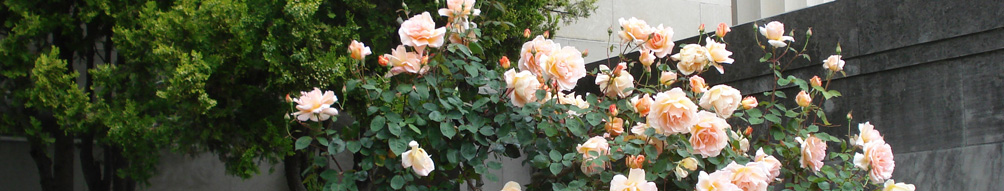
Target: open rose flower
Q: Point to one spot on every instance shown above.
(358, 50)
(719, 55)
(418, 160)
(772, 165)
(667, 78)
(708, 136)
(524, 87)
(834, 63)
(867, 135)
(692, 58)
(750, 177)
(635, 181)
(572, 99)
(774, 31)
(512, 186)
(697, 84)
(660, 41)
(420, 31)
(642, 104)
(891, 185)
(402, 61)
(315, 106)
(616, 86)
(813, 151)
(530, 54)
(877, 159)
(634, 30)
(717, 181)
(459, 8)
(672, 112)
(595, 144)
(565, 67)
(615, 126)
(723, 99)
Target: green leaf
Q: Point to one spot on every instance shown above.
(323, 141)
(353, 146)
(487, 131)
(765, 57)
(336, 146)
(772, 118)
(447, 130)
(303, 142)
(548, 129)
(783, 81)
(555, 168)
(395, 129)
(397, 182)
(476, 48)
(468, 151)
(415, 129)
(378, 123)
(824, 185)
(397, 146)
(813, 128)
(555, 156)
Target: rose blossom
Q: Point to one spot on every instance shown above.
(572, 99)
(461, 8)
(615, 126)
(642, 104)
(565, 67)
(697, 84)
(617, 85)
(315, 106)
(708, 136)
(402, 61)
(418, 160)
(504, 62)
(692, 58)
(834, 63)
(867, 135)
(722, 30)
(891, 185)
(660, 41)
(813, 152)
(420, 31)
(635, 161)
(358, 50)
(459, 28)
(635, 181)
(877, 159)
(634, 30)
(719, 55)
(803, 99)
(723, 98)
(511, 186)
(667, 78)
(596, 144)
(672, 112)
(717, 181)
(749, 177)
(771, 164)
(524, 86)
(774, 31)
(749, 102)
(646, 58)
(530, 54)
(816, 81)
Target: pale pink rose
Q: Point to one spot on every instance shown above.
(660, 41)
(418, 160)
(834, 63)
(572, 99)
(774, 31)
(813, 153)
(770, 163)
(646, 58)
(803, 99)
(358, 50)
(692, 58)
(597, 144)
(458, 31)
(750, 177)
(420, 31)
(877, 159)
(315, 106)
(512, 186)
(749, 102)
(722, 30)
(565, 67)
(891, 185)
(634, 30)
(530, 54)
(524, 87)
(697, 84)
(616, 86)
(642, 104)
(635, 181)
(719, 55)
(723, 99)
(867, 135)
(667, 78)
(459, 8)
(402, 61)
(717, 181)
(708, 136)
(672, 112)
(689, 163)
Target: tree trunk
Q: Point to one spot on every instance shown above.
(39, 153)
(91, 168)
(293, 165)
(62, 166)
